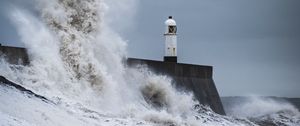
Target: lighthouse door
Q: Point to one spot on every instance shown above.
(174, 54)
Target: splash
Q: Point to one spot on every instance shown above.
(74, 27)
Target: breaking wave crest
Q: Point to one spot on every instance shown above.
(77, 62)
(266, 111)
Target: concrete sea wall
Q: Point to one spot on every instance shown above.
(14, 55)
(188, 77)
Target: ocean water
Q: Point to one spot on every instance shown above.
(77, 63)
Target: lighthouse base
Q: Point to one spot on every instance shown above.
(170, 59)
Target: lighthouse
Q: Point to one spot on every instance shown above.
(170, 40)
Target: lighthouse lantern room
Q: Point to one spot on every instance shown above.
(170, 41)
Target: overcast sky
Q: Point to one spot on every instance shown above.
(253, 45)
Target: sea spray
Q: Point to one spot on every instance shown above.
(75, 27)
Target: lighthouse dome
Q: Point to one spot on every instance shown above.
(170, 22)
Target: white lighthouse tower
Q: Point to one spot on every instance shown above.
(170, 41)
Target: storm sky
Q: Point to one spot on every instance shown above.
(253, 45)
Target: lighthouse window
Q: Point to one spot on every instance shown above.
(172, 29)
